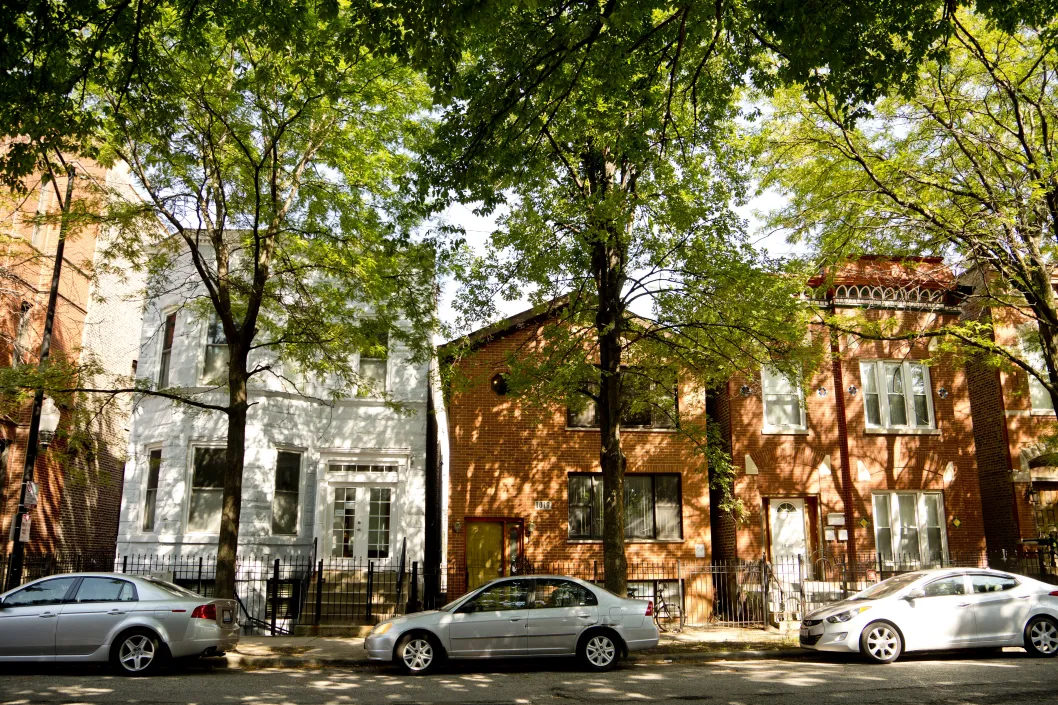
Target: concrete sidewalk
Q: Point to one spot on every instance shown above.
(340, 652)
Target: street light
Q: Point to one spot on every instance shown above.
(49, 421)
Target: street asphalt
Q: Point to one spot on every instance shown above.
(964, 679)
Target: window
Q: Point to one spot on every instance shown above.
(374, 361)
(1038, 394)
(285, 498)
(23, 340)
(168, 331)
(105, 590)
(150, 494)
(378, 522)
(216, 368)
(582, 414)
(652, 506)
(207, 491)
(955, 585)
(645, 405)
(992, 583)
(508, 595)
(46, 592)
(909, 528)
(896, 394)
(783, 400)
(362, 467)
(553, 592)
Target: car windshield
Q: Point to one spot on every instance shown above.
(887, 587)
(174, 590)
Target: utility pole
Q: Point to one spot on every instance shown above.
(14, 569)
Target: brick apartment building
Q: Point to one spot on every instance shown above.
(872, 462)
(1011, 411)
(95, 319)
(524, 481)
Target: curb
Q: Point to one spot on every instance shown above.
(250, 663)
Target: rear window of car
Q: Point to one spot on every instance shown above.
(174, 590)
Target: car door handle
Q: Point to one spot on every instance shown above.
(516, 619)
(46, 614)
(116, 612)
(584, 615)
(963, 604)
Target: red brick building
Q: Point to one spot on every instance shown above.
(1012, 411)
(524, 480)
(96, 319)
(871, 461)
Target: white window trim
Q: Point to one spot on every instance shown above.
(373, 394)
(147, 450)
(190, 478)
(877, 367)
(204, 337)
(161, 344)
(802, 427)
(920, 508)
(301, 491)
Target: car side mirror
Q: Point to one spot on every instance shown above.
(915, 594)
(469, 608)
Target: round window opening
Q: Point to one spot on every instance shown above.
(786, 508)
(499, 384)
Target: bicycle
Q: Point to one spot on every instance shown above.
(663, 611)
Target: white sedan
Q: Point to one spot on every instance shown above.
(133, 622)
(532, 615)
(939, 609)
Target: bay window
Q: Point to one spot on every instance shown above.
(896, 395)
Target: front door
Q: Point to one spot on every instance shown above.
(494, 549)
(361, 521)
(788, 541)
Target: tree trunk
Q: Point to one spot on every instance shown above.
(235, 452)
(1045, 308)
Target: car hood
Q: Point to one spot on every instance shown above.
(839, 607)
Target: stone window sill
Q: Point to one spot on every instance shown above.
(901, 431)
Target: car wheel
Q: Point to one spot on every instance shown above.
(599, 651)
(881, 642)
(1041, 637)
(137, 652)
(418, 654)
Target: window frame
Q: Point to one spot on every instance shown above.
(1036, 388)
(165, 354)
(75, 597)
(70, 591)
(921, 525)
(596, 478)
(655, 414)
(877, 372)
(300, 452)
(766, 372)
(208, 344)
(147, 501)
(361, 390)
(191, 488)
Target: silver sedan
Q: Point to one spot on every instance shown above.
(939, 609)
(134, 622)
(541, 615)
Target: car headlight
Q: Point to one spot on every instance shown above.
(847, 614)
(381, 629)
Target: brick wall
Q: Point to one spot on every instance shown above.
(506, 454)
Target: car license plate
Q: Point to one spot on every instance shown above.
(226, 616)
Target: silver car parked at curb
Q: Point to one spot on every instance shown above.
(960, 608)
(134, 622)
(530, 615)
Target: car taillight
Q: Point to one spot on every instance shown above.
(650, 609)
(1054, 594)
(205, 612)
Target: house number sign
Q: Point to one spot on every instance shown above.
(543, 504)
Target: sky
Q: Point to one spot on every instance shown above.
(478, 229)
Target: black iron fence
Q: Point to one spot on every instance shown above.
(277, 594)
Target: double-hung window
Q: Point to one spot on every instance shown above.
(207, 491)
(909, 528)
(374, 363)
(215, 370)
(1038, 394)
(645, 404)
(896, 394)
(783, 401)
(150, 493)
(652, 506)
(285, 498)
(168, 333)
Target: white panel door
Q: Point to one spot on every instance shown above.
(361, 521)
(788, 540)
